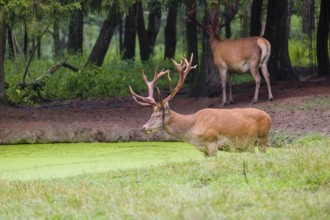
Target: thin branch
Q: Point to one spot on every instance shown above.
(20, 51)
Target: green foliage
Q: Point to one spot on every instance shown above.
(112, 79)
(18, 10)
(301, 47)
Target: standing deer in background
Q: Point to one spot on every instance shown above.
(209, 130)
(235, 55)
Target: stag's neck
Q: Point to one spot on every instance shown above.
(179, 125)
(214, 41)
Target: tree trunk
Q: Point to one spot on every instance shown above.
(255, 22)
(308, 21)
(147, 37)
(192, 47)
(244, 20)
(76, 29)
(130, 32)
(11, 49)
(277, 33)
(207, 82)
(3, 36)
(56, 39)
(170, 30)
(120, 39)
(103, 40)
(26, 41)
(323, 39)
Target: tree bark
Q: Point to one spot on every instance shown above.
(170, 30)
(76, 31)
(103, 40)
(192, 47)
(277, 33)
(130, 32)
(255, 22)
(308, 21)
(323, 39)
(11, 49)
(56, 39)
(147, 37)
(26, 40)
(3, 36)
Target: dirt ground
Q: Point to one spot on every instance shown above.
(298, 108)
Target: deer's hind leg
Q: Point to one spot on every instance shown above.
(262, 144)
(265, 72)
(257, 79)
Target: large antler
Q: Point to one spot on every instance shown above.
(148, 101)
(184, 67)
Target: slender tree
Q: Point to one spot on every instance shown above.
(103, 41)
(323, 39)
(255, 22)
(308, 21)
(76, 32)
(56, 38)
(170, 30)
(147, 36)
(277, 32)
(192, 42)
(3, 36)
(130, 32)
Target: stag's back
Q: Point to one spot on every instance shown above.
(236, 125)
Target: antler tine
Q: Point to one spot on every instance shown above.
(140, 99)
(149, 100)
(183, 73)
(158, 75)
(188, 65)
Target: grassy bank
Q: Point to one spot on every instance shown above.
(291, 182)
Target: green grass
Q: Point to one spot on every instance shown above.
(291, 182)
(30, 162)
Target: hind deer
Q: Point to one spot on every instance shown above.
(235, 55)
(209, 130)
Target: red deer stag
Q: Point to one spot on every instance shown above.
(209, 130)
(235, 55)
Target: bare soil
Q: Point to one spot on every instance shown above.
(298, 108)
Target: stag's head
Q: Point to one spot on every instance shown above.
(161, 110)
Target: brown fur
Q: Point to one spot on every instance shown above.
(240, 56)
(212, 129)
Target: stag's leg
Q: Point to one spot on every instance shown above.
(231, 78)
(212, 150)
(257, 79)
(265, 72)
(223, 77)
(262, 146)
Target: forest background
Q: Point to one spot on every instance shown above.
(105, 45)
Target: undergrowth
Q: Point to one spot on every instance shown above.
(111, 79)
